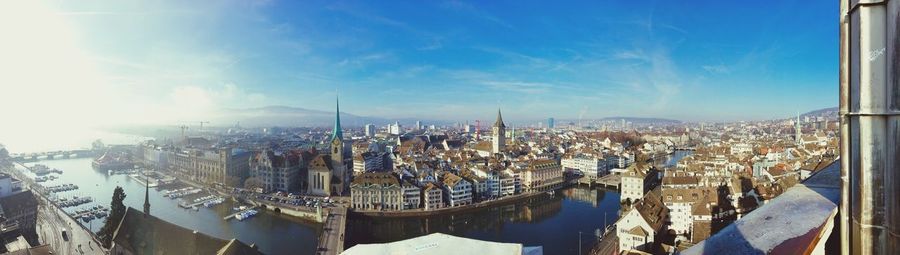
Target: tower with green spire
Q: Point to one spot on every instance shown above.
(337, 133)
(337, 150)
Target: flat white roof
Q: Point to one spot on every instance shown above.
(440, 244)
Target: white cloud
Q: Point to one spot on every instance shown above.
(716, 69)
(520, 86)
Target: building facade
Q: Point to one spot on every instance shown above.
(377, 191)
(542, 175)
(457, 191)
(432, 197)
(591, 166)
(412, 195)
(370, 130)
(632, 185)
(227, 166)
(279, 171)
(371, 161)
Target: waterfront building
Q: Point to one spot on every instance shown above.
(154, 156)
(509, 184)
(457, 191)
(227, 166)
(639, 227)
(370, 130)
(632, 184)
(377, 191)
(280, 171)
(141, 233)
(591, 166)
(432, 197)
(500, 184)
(498, 134)
(542, 175)
(443, 244)
(412, 194)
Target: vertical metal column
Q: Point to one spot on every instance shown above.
(843, 108)
(870, 126)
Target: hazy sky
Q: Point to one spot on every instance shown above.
(115, 62)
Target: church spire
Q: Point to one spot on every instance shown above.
(147, 195)
(337, 133)
(499, 122)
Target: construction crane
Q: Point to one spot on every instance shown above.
(477, 130)
(203, 122)
(183, 129)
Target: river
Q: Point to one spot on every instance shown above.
(274, 234)
(551, 221)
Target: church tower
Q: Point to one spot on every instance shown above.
(499, 134)
(147, 196)
(337, 149)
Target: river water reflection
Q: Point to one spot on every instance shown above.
(551, 221)
(274, 234)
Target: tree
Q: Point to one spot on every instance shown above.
(254, 183)
(116, 212)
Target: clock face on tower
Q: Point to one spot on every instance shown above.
(335, 146)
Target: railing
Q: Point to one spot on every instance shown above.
(796, 222)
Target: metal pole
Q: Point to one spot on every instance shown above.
(843, 104)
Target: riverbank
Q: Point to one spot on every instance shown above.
(273, 233)
(447, 210)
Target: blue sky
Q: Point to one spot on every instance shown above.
(456, 60)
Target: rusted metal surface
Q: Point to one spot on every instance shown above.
(870, 126)
(844, 108)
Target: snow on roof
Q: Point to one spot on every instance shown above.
(439, 244)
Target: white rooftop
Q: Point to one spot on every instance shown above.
(440, 244)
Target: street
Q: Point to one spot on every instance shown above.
(332, 239)
(50, 224)
(51, 221)
(609, 245)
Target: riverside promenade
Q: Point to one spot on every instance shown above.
(422, 212)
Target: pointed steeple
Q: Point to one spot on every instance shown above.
(499, 122)
(147, 196)
(337, 133)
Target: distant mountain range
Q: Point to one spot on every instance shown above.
(644, 120)
(295, 116)
(825, 112)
